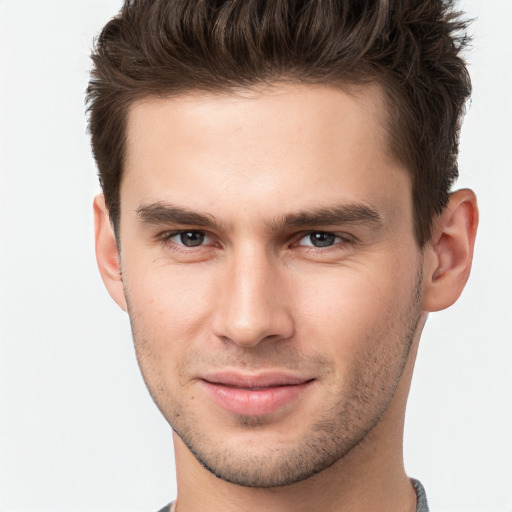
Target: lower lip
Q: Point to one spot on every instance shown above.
(254, 402)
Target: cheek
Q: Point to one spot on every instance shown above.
(350, 311)
(169, 309)
(169, 304)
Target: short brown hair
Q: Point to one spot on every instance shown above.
(411, 48)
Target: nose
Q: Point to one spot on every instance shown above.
(253, 304)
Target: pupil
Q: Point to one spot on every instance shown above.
(192, 238)
(322, 239)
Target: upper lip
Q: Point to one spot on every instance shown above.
(259, 380)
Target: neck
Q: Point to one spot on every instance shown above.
(343, 487)
(370, 477)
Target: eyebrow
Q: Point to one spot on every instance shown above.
(162, 213)
(352, 213)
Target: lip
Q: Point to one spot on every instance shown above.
(254, 395)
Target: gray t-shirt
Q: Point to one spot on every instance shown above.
(422, 505)
(421, 497)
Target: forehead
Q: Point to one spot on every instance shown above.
(302, 144)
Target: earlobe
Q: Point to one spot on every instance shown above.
(449, 255)
(107, 254)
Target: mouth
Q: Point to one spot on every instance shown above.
(254, 395)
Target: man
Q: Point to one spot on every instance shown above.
(276, 219)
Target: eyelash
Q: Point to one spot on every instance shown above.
(344, 239)
(167, 242)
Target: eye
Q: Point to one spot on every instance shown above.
(188, 238)
(321, 239)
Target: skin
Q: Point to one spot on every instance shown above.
(258, 178)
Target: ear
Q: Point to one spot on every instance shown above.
(107, 254)
(449, 255)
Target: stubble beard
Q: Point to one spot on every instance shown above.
(344, 425)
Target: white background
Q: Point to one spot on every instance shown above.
(78, 431)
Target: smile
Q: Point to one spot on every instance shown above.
(254, 395)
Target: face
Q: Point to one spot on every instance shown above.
(271, 273)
